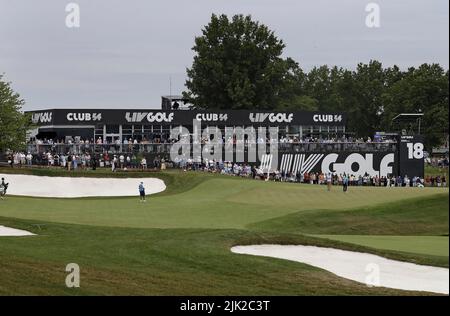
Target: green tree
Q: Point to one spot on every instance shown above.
(238, 65)
(299, 103)
(318, 84)
(369, 85)
(421, 90)
(13, 122)
(293, 95)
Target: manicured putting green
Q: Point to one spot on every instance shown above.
(221, 202)
(427, 245)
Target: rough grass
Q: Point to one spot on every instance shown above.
(436, 171)
(124, 261)
(417, 216)
(178, 243)
(426, 245)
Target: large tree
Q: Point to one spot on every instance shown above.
(13, 122)
(369, 85)
(372, 95)
(421, 90)
(238, 65)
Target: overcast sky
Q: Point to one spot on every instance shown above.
(124, 52)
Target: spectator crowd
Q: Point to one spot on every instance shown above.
(158, 139)
(83, 161)
(248, 171)
(125, 161)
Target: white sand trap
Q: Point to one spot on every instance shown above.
(7, 232)
(74, 187)
(359, 266)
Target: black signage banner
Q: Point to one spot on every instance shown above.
(185, 117)
(381, 164)
(411, 156)
(372, 163)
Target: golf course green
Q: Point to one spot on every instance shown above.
(428, 245)
(178, 243)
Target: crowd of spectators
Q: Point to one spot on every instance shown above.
(438, 162)
(438, 181)
(158, 139)
(86, 160)
(83, 161)
(331, 140)
(246, 170)
(162, 145)
(19, 159)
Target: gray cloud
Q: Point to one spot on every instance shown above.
(125, 52)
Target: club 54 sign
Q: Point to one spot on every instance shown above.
(211, 117)
(327, 118)
(84, 117)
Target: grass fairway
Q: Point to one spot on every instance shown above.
(124, 261)
(417, 216)
(427, 245)
(221, 202)
(178, 243)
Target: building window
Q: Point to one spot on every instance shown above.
(112, 129)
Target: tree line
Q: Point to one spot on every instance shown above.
(238, 64)
(13, 122)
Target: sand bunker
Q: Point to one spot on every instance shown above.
(74, 187)
(360, 267)
(7, 232)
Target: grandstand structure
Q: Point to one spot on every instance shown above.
(312, 141)
(155, 125)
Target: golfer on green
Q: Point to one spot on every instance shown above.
(3, 188)
(142, 192)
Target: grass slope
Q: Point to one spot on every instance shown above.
(179, 242)
(417, 228)
(427, 245)
(210, 202)
(417, 216)
(436, 171)
(124, 261)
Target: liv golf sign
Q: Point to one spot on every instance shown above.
(374, 164)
